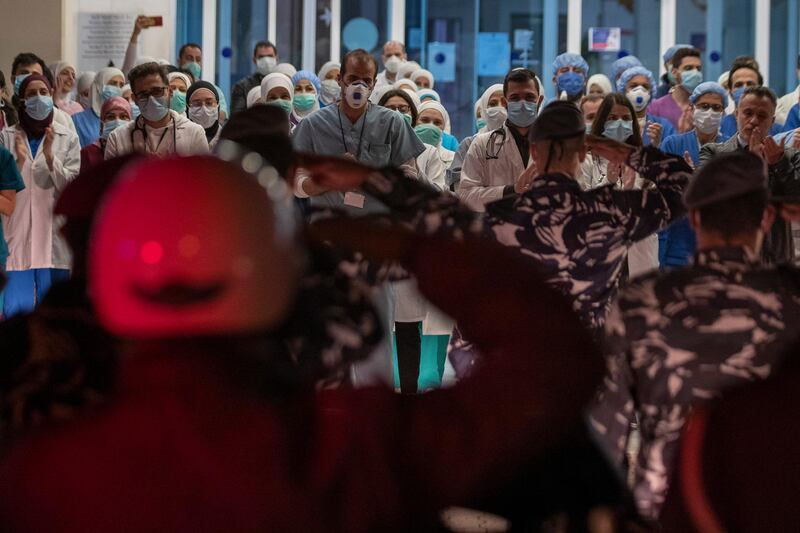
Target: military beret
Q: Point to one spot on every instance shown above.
(726, 176)
(558, 120)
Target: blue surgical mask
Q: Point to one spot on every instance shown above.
(109, 91)
(570, 82)
(38, 107)
(178, 102)
(522, 113)
(154, 109)
(18, 82)
(135, 111)
(111, 125)
(480, 123)
(619, 130)
(690, 79)
(194, 68)
(737, 95)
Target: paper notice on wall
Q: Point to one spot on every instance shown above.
(103, 39)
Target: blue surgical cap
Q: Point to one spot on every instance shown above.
(307, 75)
(631, 73)
(709, 87)
(570, 60)
(672, 49)
(622, 64)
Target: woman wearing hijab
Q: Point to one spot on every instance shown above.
(254, 96)
(48, 155)
(85, 81)
(64, 98)
(179, 83)
(116, 112)
(599, 84)
(328, 75)
(204, 109)
(278, 90)
(306, 95)
(107, 83)
(423, 78)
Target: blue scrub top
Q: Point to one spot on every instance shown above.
(792, 119)
(10, 179)
(667, 129)
(449, 142)
(88, 126)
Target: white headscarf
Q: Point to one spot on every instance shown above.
(285, 68)
(438, 107)
(487, 94)
(422, 73)
(407, 68)
(327, 67)
(254, 96)
(601, 80)
(378, 92)
(422, 93)
(275, 79)
(58, 68)
(413, 96)
(403, 83)
(172, 75)
(102, 77)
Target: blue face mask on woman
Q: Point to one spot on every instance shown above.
(38, 107)
(619, 130)
(109, 91)
(570, 82)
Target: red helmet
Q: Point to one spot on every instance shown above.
(190, 246)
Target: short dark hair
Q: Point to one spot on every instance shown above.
(744, 62)
(682, 53)
(359, 54)
(735, 216)
(144, 70)
(520, 75)
(761, 92)
(27, 58)
(608, 104)
(264, 44)
(189, 45)
(405, 96)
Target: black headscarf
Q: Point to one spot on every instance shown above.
(33, 128)
(211, 131)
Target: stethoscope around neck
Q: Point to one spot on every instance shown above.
(491, 153)
(138, 126)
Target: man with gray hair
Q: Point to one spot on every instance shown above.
(394, 55)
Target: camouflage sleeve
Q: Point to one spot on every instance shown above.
(643, 212)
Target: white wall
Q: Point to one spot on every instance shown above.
(22, 35)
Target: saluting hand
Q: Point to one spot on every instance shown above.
(525, 179)
(334, 173)
(613, 151)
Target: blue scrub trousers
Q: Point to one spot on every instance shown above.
(26, 288)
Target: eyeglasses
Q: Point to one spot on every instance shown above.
(713, 107)
(155, 92)
(197, 104)
(401, 108)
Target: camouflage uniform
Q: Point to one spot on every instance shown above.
(683, 337)
(577, 238)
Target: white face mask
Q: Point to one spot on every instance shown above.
(639, 97)
(265, 64)
(495, 117)
(707, 121)
(204, 115)
(393, 64)
(357, 94)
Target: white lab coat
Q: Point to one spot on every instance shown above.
(32, 230)
(482, 179)
(785, 104)
(190, 139)
(642, 255)
(63, 118)
(432, 165)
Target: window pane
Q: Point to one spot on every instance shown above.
(778, 53)
(290, 30)
(364, 25)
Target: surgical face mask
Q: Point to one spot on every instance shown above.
(639, 97)
(18, 82)
(619, 130)
(690, 79)
(178, 102)
(480, 123)
(154, 109)
(429, 134)
(135, 110)
(737, 95)
(85, 101)
(671, 76)
(393, 64)
(194, 68)
(571, 83)
(406, 116)
(707, 121)
(111, 125)
(330, 91)
(588, 128)
(286, 105)
(265, 64)
(304, 102)
(522, 113)
(495, 117)
(38, 107)
(109, 91)
(204, 115)
(357, 94)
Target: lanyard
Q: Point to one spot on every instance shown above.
(361, 136)
(145, 136)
